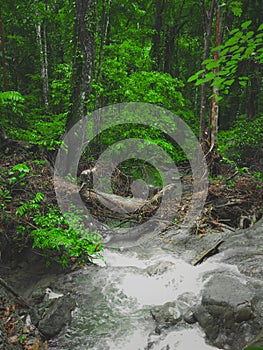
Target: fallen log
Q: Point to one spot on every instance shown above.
(124, 205)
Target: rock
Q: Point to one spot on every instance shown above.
(166, 315)
(256, 342)
(57, 316)
(51, 295)
(159, 268)
(227, 309)
(189, 317)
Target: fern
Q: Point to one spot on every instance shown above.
(9, 97)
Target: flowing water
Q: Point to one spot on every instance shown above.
(115, 300)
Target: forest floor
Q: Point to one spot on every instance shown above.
(235, 200)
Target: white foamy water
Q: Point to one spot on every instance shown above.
(178, 278)
(115, 301)
(186, 339)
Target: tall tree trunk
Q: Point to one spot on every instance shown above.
(215, 93)
(208, 22)
(105, 25)
(105, 21)
(3, 53)
(42, 46)
(157, 49)
(83, 73)
(83, 61)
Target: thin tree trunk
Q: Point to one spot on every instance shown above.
(208, 22)
(3, 53)
(43, 60)
(215, 94)
(104, 32)
(45, 68)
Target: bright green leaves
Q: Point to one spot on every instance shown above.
(242, 141)
(243, 46)
(17, 174)
(236, 7)
(196, 76)
(51, 231)
(9, 97)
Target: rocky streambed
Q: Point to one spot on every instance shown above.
(148, 294)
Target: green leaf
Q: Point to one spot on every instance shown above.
(242, 83)
(260, 27)
(229, 82)
(213, 65)
(232, 41)
(22, 167)
(39, 197)
(246, 24)
(195, 76)
(218, 48)
(249, 34)
(234, 31)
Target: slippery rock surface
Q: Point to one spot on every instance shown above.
(57, 316)
(228, 308)
(167, 315)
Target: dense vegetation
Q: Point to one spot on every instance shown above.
(201, 59)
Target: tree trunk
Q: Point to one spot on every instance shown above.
(105, 21)
(157, 49)
(83, 61)
(83, 72)
(42, 46)
(215, 93)
(3, 53)
(208, 22)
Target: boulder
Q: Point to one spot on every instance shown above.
(228, 308)
(166, 315)
(57, 316)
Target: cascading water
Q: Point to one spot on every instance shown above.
(115, 300)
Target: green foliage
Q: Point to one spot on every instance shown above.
(51, 231)
(258, 175)
(11, 104)
(244, 45)
(45, 134)
(8, 98)
(119, 133)
(17, 173)
(61, 88)
(241, 141)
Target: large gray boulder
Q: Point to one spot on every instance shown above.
(228, 307)
(57, 316)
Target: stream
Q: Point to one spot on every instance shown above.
(150, 296)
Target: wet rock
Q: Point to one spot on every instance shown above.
(57, 316)
(167, 315)
(159, 268)
(227, 309)
(256, 342)
(226, 290)
(189, 316)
